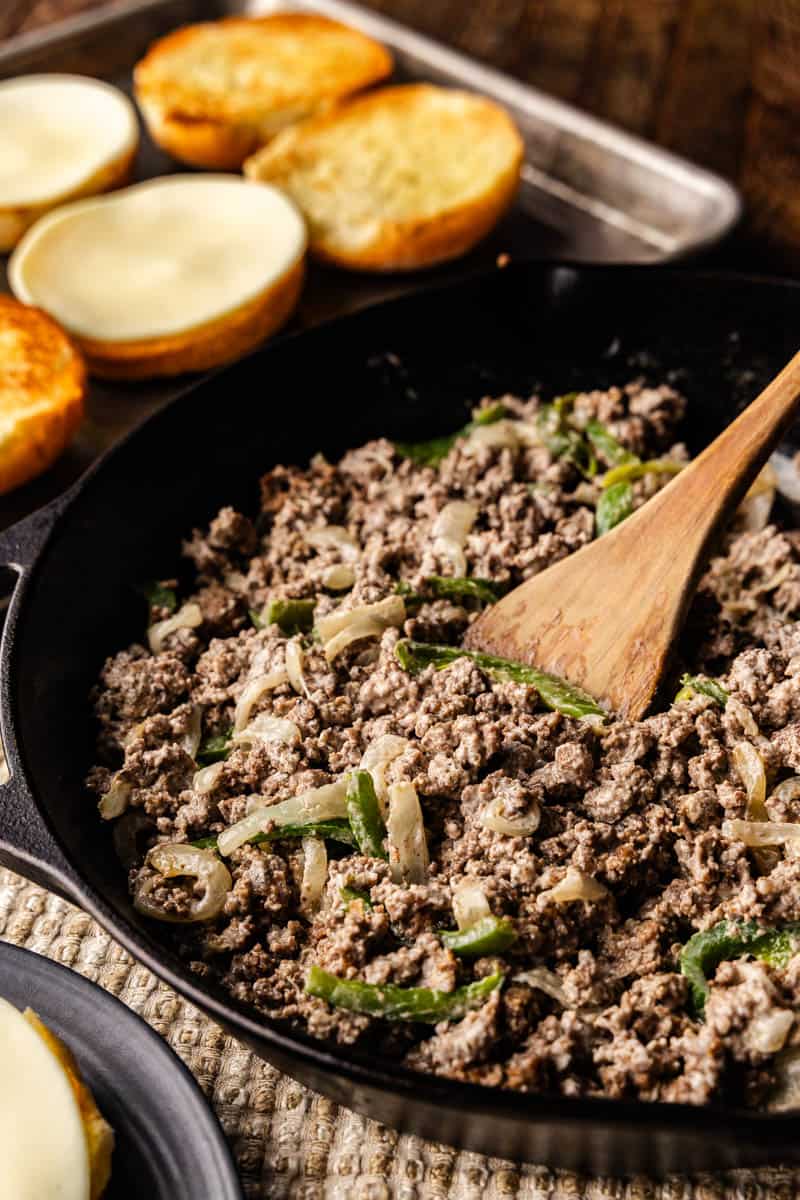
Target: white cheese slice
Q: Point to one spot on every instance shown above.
(56, 133)
(43, 1149)
(159, 258)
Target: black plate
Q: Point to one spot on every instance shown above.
(408, 369)
(169, 1144)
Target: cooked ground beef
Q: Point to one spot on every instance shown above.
(593, 1001)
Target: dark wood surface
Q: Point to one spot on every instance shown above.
(715, 80)
(677, 71)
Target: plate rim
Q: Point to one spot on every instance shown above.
(25, 960)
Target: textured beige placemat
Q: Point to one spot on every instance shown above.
(291, 1144)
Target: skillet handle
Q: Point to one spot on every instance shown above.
(27, 844)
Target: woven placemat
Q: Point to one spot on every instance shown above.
(291, 1144)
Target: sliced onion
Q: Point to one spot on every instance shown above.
(340, 628)
(315, 873)
(189, 616)
(753, 512)
(408, 849)
(205, 779)
(787, 791)
(749, 765)
(391, 610)
(740, 606)
(545, 981)
(358, 631)
(253, 692)
(268, 730)
(318, 804)
(774, 581)
(177, 859)
(376, 759)
(450, 530)
(576, 886)
(469, 903)
(744, 717)
(528, 434)
(455, 520)
(761, 833)
(786, 1093)
(499, 433)
(494, 818)
(787, 475)
(294, 667)
(191, 739)
(114, 802)
(335, 536)
(767, 1034)
(339, 578)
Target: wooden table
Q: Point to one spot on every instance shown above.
(676, 71)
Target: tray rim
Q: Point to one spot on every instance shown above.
(37, 968)
(475, 74)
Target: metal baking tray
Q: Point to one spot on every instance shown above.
(590, 192)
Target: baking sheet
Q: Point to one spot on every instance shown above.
(590, 192)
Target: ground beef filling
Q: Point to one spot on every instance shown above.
(591, 999)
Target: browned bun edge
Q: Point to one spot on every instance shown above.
(99, 1134)
(210, 345)
(46, 439)
(199, 141)
(56, 385)
(409, 246)
(418, 239)
(216, 140)
(16, 220)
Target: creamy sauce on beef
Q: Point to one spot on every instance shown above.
(638, 807)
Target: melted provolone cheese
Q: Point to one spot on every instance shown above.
(158, 258)
(56, 133)
(43, 1150)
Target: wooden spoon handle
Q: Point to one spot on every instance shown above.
(607, 617)
(704, 497)
(742, 449)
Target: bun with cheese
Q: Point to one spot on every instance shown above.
(53, 1139)
(64, 136)
(42, 390)
(401, 178)
(178, 274)
(213, 93)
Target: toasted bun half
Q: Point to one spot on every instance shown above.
(178, 274)
(213, 93)
(64, 136)
(42, 388)
(401, 178)
(99, 1134)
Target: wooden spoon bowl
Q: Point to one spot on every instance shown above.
(607, 617)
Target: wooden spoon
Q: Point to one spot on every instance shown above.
(607, 617)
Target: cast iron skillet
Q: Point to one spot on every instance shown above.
(407, 369)
(168, 1143)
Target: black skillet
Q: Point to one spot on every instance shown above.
(407, 369)
(168, 1143)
